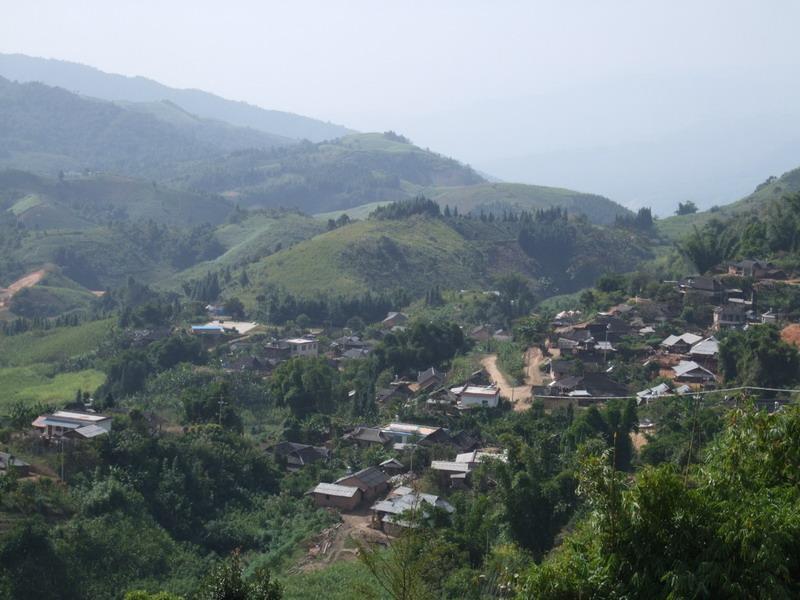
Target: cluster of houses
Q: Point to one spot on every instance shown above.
(585, 353)
(384, 489)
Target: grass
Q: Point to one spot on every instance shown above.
(255, 237)
(53, 345)
(511, 361)
(28, 202)
(39, 383)
(357, 212)
(376, 255)
(340, 581)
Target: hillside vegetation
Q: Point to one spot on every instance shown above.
(417, 252)
(334, 175)
(86, 201)
(499, 197)
(46, 129)
(772, 189)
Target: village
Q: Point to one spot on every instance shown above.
(418, 450)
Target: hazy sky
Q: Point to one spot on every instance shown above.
(516, 88)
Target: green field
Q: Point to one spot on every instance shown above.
(39, 383)
(54, 345)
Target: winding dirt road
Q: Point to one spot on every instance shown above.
(520, 394)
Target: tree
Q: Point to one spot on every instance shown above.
(758, 357)
(234, 308)
(686, 208)
(227, 582)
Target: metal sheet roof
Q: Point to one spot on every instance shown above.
(332, 489)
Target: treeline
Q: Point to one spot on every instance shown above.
(641, 221)
(279, 306)
(22, 325)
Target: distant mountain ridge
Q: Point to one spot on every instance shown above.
(47, 129)
(93, 82)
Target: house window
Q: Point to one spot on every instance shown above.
(327, 497)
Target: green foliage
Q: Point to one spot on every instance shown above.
(227, 582)
(419, 347)
(405, 208)
(758, 357)
(307, 386)
(706, 248)
(731, 532)
(686, 208)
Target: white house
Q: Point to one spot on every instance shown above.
(475, 395)
(303, 347)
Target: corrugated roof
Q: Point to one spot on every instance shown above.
(708, 347)
(332, 489)
(90, 431)
(450, 466)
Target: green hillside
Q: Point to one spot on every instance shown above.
(329, 176)
(81, 202)
(499, 197)
(772, 189)
(46, 129)
(252, 235)
(506, 197)
(419, 252)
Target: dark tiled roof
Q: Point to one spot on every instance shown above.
(365, 478)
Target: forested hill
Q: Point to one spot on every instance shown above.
(333, 175)
(417, 250)
(47, 129)
(95, 83)
(84, 201)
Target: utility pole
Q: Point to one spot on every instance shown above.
(221, 403)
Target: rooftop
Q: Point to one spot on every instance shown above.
(332, 489)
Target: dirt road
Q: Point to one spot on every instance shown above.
(29, 280)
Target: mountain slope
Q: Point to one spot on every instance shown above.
(84, 202)
(773, 188)
(47, 129)
(93, 82)
(334, 175)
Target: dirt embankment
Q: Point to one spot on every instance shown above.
(29, 280)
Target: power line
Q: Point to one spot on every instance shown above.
(674, 395)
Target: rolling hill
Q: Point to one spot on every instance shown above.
(334, 175)
(418, 252)
(499, 197)
(89, 81)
